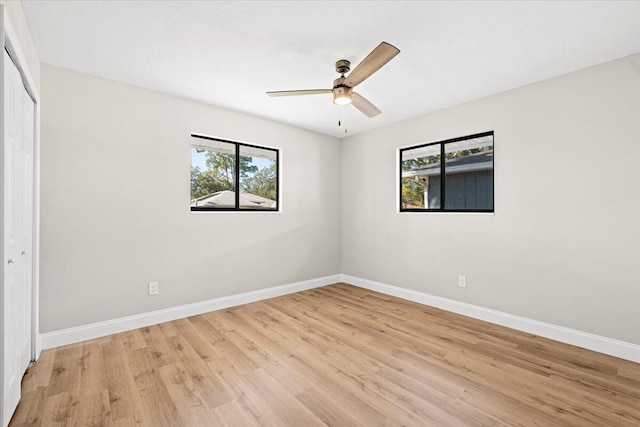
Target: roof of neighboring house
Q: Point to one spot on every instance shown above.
(227, 199)
(470, 163)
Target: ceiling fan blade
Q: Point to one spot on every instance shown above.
(299, 92)
(361, 103)
(372, 63)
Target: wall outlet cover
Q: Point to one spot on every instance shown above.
(462, 281)
(154, 288)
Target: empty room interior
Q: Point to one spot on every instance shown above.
(306, 213)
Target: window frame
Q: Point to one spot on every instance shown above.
(443, 178)
(237, 208)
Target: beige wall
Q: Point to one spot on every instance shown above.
(115, 204)
(564, 244)
(19, 23)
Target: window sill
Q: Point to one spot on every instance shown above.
(444, 213)
(224, 211)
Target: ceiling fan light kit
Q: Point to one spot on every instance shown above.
(342, 95)
(342, 91)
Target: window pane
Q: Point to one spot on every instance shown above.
(258, 178)
(212, 175)
(468, 172)
(421, 178)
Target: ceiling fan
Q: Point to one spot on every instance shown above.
(342, 91)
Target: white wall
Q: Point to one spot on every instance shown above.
(115, 204)
(564, 244)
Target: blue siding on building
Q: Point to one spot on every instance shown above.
(472, 190)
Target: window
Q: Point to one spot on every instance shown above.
(233, 176)
(463, 182)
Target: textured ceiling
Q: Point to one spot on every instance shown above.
(229, 54)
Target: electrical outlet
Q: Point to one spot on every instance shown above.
(153, 288)
(462, 281)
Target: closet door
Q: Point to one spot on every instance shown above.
(17, 235)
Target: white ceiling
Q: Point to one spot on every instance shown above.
(229, 54)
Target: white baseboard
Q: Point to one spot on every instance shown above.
(100, 329)
(621, 349)
(612, 347)
(38, 347)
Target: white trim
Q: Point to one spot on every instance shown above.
(612, 347)
(108, 327)
(12, 44)
(36, 343)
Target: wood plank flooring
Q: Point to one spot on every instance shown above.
(338, 356)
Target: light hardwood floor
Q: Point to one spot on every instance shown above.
(338, 356)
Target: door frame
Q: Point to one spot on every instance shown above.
(10, 41)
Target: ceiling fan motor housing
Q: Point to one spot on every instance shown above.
(343, 66)
(339, 82)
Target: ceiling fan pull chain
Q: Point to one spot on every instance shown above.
(340, 122)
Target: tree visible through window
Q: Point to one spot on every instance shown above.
(228, 175)
(463, 182)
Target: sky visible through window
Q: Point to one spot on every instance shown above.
(199, 160)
